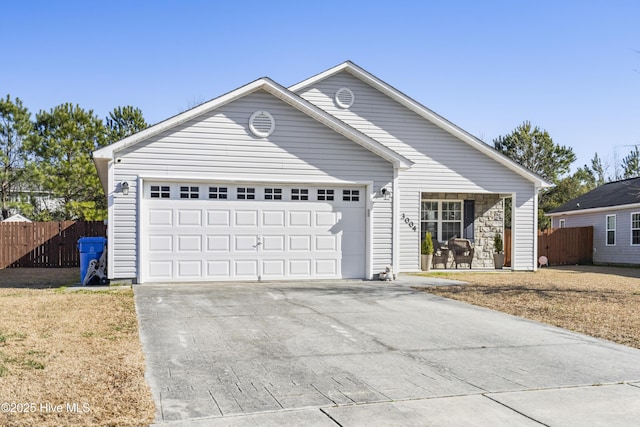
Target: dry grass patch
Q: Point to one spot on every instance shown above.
(599, 301)
(69, 357)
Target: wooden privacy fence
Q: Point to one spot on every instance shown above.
(45, 244)
(562, 246)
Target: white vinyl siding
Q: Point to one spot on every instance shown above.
(219, 145)
(443, 163)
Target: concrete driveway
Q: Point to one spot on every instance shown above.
(354, 353)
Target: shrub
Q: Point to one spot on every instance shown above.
(497, 243)
(427, 244)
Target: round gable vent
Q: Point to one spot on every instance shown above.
(344, 97)
(262, 124)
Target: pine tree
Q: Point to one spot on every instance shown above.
(62, 144)
(15, 126)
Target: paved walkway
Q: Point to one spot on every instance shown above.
(354, 353)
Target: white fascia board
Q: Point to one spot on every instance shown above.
(595, 210)
(102, 166)
(426, 113)
(337, 125)
(108, 151)
(104, 155)
(281, 93)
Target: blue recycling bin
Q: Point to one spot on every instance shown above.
(90, 248)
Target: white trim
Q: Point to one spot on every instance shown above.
(562, 223)
(110, 224)
(631, 229)
(595, 210)
(607, 230)
(440, 220)
(368, 231)
(139, 235)
(534, 261)
(395, 222)
(255, 179)
(141, 274)
(274, 89)
(424, 112)
(514, 227)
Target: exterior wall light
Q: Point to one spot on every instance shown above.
(125, 188)
(386, 193)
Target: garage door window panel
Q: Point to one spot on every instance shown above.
(187, 192)
(160, 192)
(273, 193)
(218, 193)
(325, 195)
(299, 194)
(351, 195)
(246, 193)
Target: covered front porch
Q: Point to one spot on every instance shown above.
(474, 218)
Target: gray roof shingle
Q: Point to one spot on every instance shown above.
(611, 194)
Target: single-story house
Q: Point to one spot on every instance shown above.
(613, 210)
(338, 176)
(17, 218)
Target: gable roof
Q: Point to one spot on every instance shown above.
(16, 218)
(427, 114)
(104, 155)
(618, 194)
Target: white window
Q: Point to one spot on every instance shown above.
(443, 218)
(351, 195)
(611, 230)
(160, 192)
(562, 223)
(325, 195)
(218, 192)
(299, 194)
(273, 193)
(635, 228)
(245, 193)
(187, 192)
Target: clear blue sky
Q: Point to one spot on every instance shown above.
(570, 67)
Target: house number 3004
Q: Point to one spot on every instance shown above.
(410, 223)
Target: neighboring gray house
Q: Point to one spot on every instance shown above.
(338, 176)
(613, 209)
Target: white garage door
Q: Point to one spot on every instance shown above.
(222, 232)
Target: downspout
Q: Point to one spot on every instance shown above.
(395, 228)
(110, 222)
(535, 227)
(514, 231)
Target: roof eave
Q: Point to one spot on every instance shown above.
(426, 113)
(274, 89)
(337, 125)
(108, 151)
(595, 210)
